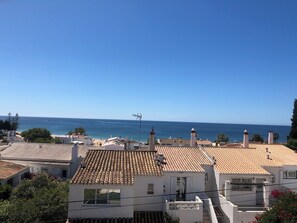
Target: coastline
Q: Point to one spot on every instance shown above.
(104, 129)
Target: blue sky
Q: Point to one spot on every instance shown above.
(201, 61)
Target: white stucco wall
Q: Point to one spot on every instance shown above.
(276, 173)
(229, 210)
(53, 169)
(148, 202)
(80, 210)
(16, 179)
(195, 184)
(242, 198)
(187, 216)
(247, 216)
(233, 215)
(288, 183)
(211, 187)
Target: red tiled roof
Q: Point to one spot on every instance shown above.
(241, 161)
(185, 159)
(8, 169)
(139, 217)
(116, 167)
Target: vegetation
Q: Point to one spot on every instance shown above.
(5, 191)
(77, 131)
(292, 138)
(169, 219)
(292, 143)
(11, 123)
(284, 209)
(221, 137)
(39, 135)
(257, 138)
(275, 136)
(293, 133)
(37, 200)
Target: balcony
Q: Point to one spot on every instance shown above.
(186, 211)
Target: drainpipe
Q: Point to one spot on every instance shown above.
(266, 193)
(227, 190)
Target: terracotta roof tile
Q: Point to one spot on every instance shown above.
(8, 169)
(241, 160)
(139, 216)
(185, 159)
(116, 167)
(41, 152)
(279, 153)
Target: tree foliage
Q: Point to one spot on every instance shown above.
(78, 131)
(11, 123)
(284, 209)
(257, 138)
(292, 143)
(293, 133)
(275, 136)
(39, 135)
(221, 137)
(37, 200)
(5, 191)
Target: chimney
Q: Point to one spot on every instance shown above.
(152, 140)
(74, 154)
(245, 139)
(270, 137)
(193, 138)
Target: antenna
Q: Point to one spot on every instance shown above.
(138, 116)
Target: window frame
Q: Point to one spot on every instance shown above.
(242, 184)
(150, 188)
(288, 172)
(114, 201)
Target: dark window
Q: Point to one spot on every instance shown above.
(64, 173)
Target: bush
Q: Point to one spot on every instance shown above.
(292, 143)
(38, 200)
(284, 209)
(5, 191)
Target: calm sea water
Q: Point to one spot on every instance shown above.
(103, 128)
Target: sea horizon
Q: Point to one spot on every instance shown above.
(202, 122)
(106, 128)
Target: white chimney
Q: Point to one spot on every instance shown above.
(270, 137)
(152, 140)
(245, 139)
(74, 154)
(193, 137)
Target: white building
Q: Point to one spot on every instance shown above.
(246, 176)
(59, 160)
(186, 175)
(115, 184)
(74, 139)
(12, 174)
(194, 184)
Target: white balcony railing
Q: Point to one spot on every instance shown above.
(183, 205)
(186, 211)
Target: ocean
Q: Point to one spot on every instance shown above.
(104, 128)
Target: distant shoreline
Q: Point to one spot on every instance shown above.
(107, 128)
(170, 121)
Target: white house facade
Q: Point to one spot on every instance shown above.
(57, 160)
(12, 174)
(115, 184)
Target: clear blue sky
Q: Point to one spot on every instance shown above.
(201, 61)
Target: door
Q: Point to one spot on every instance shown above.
(173, 188)
(181, 188)
(259, 192)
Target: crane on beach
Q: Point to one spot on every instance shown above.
(138, 116)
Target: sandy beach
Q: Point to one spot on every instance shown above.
(98, 142)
